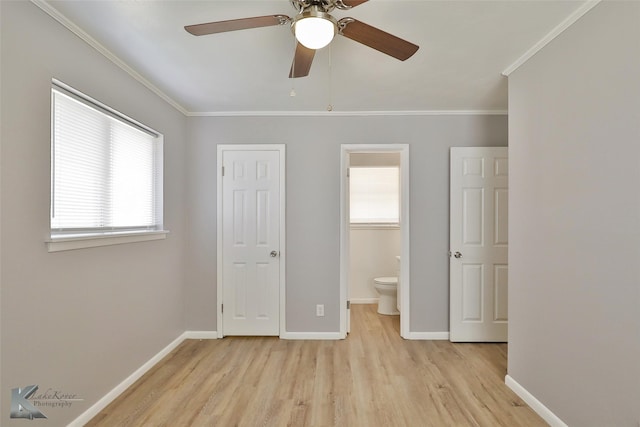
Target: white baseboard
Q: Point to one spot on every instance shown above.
(201, 335)
(432, 336)
(364, 300)
(120, 388)
(312, 336)
(552, 419)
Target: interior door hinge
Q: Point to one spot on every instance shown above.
(348, 173)
(221, 308)
(348, 305)
(223, 171)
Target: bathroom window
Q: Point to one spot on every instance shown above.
(375, 195)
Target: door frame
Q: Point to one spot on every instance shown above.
(281, 149)
(345, 151)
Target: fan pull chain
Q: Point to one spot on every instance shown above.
(330, 106)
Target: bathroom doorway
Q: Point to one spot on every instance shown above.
(383, 236)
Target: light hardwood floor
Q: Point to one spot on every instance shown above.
(373, 378)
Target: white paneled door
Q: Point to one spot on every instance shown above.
(478, 244)
(251, 259)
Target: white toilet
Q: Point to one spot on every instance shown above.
(387, 287)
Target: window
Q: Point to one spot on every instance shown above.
(106, 170)
(374, 195)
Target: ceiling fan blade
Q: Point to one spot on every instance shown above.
(376, 39)
(236, 24)
(353, 3)
(301, 61)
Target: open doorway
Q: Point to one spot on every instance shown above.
(379, 227)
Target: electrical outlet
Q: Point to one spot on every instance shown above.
(320, 310)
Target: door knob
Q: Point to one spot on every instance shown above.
(457, 254)
(273, 254)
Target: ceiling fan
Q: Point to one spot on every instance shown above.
(314, 28)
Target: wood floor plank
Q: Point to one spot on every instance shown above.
(373, 378)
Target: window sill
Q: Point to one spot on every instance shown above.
(57, 244)
(374, 226)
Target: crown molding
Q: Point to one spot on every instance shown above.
(348, 113)
(569, 21)
(83, 35)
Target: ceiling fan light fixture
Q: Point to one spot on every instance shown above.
(314, 29)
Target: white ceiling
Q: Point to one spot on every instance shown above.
(464, 47)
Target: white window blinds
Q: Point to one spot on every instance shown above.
(374, 195)
(106, 170)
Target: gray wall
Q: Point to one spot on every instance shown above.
(313, 206)
(78, 321)
(574, 227)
